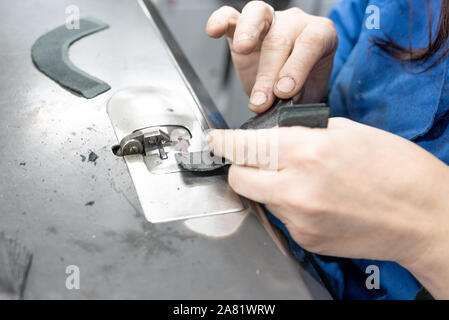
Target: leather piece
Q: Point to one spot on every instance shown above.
(50, 54)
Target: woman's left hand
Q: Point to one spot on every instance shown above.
(350, 191)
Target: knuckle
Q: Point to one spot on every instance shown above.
(264, 80)
(330, 31)
(222, 15)
(323, 36)
(295, 11)
(294, 68)
(310, 157)
(226, 10)
(315, 153)
(255, 5)
(316, 39)
(327, 23)
(250, 28)
(277, 42)
(323, 148)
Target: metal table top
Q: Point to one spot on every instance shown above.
(73, 212)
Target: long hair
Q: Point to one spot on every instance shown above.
(436, 42)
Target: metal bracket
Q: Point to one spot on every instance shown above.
(141, 142)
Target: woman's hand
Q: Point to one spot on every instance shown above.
(350, 191)
(295, 55)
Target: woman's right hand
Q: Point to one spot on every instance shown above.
(291, 58)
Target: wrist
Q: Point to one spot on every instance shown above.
(432, 271)
(430, 263)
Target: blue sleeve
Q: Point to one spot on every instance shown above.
(347, 16)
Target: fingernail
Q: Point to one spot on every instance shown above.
(286, 84)
(243, 37)
(258, 98)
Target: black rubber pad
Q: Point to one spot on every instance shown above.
(50, 54)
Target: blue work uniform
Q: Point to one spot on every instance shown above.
(371, 87)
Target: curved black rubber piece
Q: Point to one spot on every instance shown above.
(50, 54)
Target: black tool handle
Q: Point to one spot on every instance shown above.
(284, 113)
(305, 115)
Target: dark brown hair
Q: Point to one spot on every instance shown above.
(421, 55)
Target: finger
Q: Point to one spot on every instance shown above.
(313, 44)
(275, 50)
(341, 123)
(222, 22)
(269, 149)
(253, 183)
(253, 23)
(254, 148)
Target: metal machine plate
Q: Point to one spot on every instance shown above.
(167, 193)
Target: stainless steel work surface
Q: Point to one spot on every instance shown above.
(71, 211)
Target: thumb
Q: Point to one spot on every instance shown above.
(341, 123)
